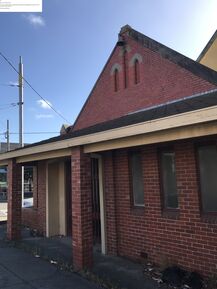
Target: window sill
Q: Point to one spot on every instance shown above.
(171, 213)
(209, 218)
(30, 208)
(138, 210)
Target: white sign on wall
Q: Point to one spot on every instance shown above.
(20, 5)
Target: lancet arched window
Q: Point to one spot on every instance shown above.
(116, 79)
(136, 71)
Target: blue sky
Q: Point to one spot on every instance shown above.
(65, 47)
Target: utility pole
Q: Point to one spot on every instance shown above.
(21, 102)
(21, 118)
(8, 136)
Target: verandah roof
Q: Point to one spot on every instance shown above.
(186, 111)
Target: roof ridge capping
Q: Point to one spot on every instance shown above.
(185, 62)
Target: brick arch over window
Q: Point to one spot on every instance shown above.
(116, 68)
(135, 64)
(135, 57)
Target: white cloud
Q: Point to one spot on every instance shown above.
(40, 116)
(44, 104)
(35, 20)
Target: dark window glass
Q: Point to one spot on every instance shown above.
(168, 173)
(125, 68)
(136, 72)
(208, 177)
(116, 80)
(137, 179)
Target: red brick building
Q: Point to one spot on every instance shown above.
(138, 169)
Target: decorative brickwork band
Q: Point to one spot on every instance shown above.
(82, 231)
(14, 200)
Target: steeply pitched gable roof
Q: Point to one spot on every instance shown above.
(174, 56)
(163, 51)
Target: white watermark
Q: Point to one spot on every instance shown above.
(20, 5)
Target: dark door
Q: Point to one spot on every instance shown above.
(68, 198)
(95, 200)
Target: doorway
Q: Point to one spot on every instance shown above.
(68, 188)
(98, 208)
(56, 199)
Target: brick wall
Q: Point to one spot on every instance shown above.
(160, 80)
(30, 218)
(35, 217)
(109, 187)
(82, 228)
(14, 200)
(187, 238)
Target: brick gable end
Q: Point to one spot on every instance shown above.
(160, 80)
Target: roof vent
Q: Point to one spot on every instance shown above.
(120, 41)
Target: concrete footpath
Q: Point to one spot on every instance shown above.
(20, 270)
(23, 266)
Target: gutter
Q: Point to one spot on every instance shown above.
(169, 122)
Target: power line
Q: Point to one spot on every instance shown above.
(9, 104)
(7, 107)
(35, 132)
(27, 82)
(38, 132)
(13, 85)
